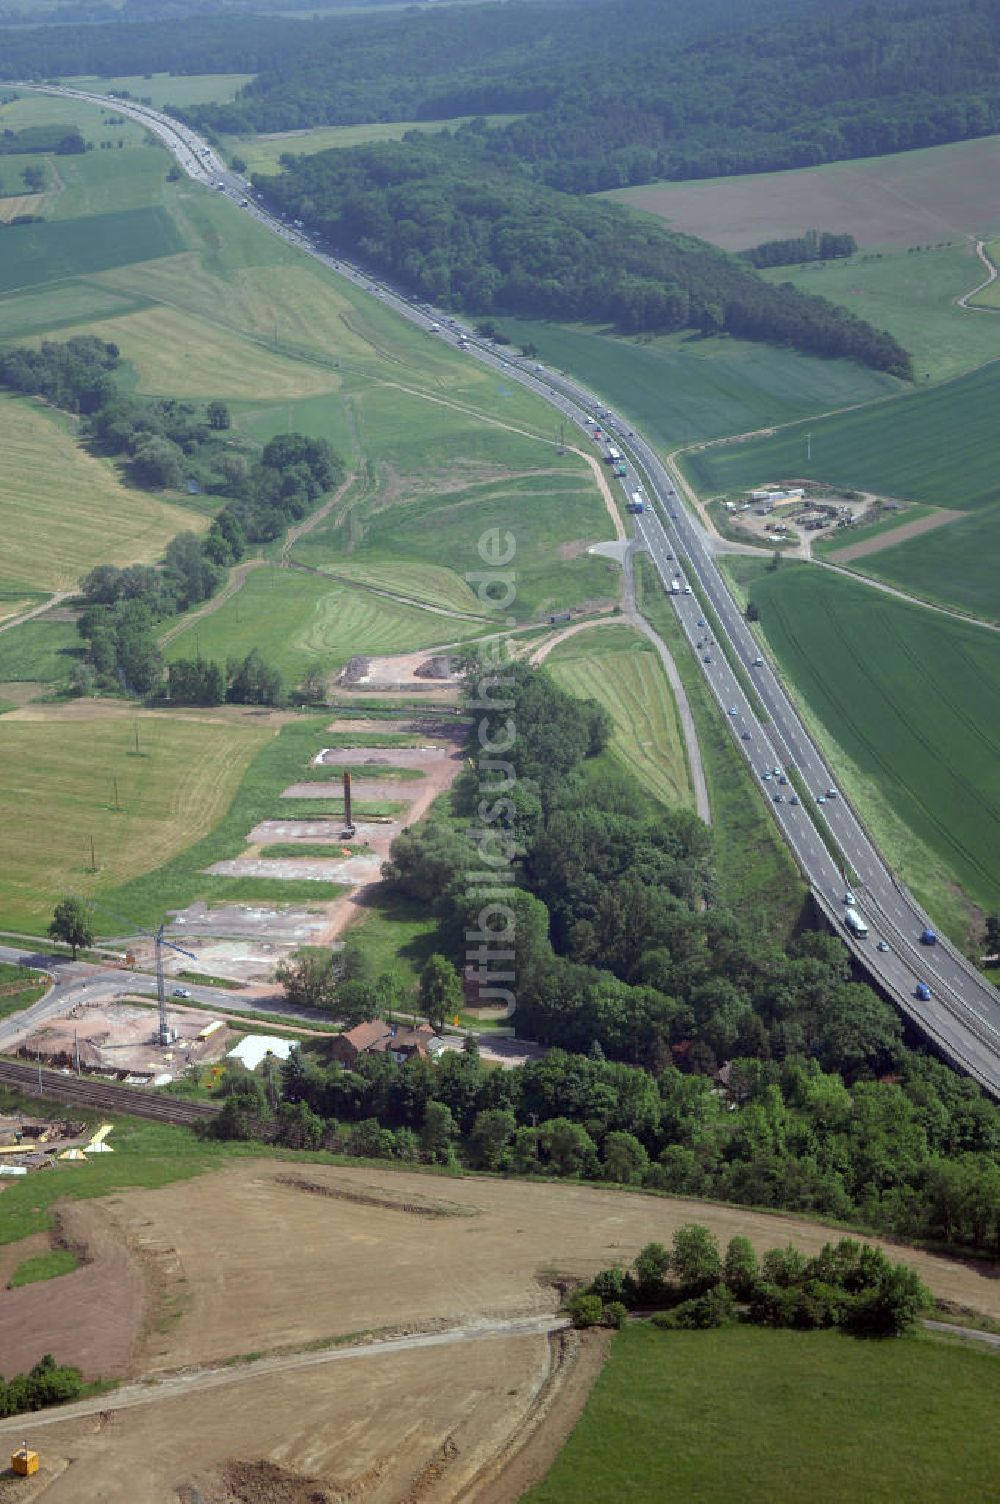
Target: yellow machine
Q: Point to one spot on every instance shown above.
(24, 1461)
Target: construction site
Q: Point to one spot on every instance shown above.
(119, 1040)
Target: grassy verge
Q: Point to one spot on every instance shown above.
(43, 1266)
(831, 1420)
(755, 870)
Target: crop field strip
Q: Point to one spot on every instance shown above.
(913, 698)
(935, 445)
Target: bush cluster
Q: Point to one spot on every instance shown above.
(693, 1287)
(48, 1383)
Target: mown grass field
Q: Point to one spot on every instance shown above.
(263, 153)
(52, 490)
(39, 650)
(552, 513)
(913, 295)
(177, 354)
(935, 445)
(912, 701)
(620, 669)
(299, 621)
(681, 388)
(907, 198)
(754, 1416)
(58, 793)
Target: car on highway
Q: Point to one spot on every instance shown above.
(701, 620)
(794, 799)
(849, 898)
(745, 735)
(767, 775)
(928, 936)
(779, 798)
(831, 793)
(923, 992)
(181, 992)
(707, 658)
(821, 799)
(782, 778)
(883, 945)
(733, 710)
(758, 663)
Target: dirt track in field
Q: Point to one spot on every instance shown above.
(892, 536)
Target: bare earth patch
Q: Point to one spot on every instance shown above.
(464, 1402)
(266, 1266)
(91, 1317)
(889, 539)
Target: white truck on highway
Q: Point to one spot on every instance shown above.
(855, 923)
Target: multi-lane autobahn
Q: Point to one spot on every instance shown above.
(961, 1016)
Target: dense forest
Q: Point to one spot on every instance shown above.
(613, 91)
(428, 214)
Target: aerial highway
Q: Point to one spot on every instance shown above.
(960, 1013)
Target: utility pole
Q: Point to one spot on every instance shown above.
(93, 858)
(809, 447)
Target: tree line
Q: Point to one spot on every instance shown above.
(693, 1287)
(812, 246)
(42, 138)
(161, 442)
(431, 215)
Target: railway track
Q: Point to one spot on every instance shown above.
(80, 1092)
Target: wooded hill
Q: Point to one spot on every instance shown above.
(426, 213)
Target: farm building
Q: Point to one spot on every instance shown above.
(377, 1037)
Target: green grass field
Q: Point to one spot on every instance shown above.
(681, 388)
(263, 153)
(39, 650)
(750, 1416)
(58, 793)
(621, 670)
(955, 566)
(935, 445)
(912, 700)
(300, 621)
(912, 294)
(47, 252)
